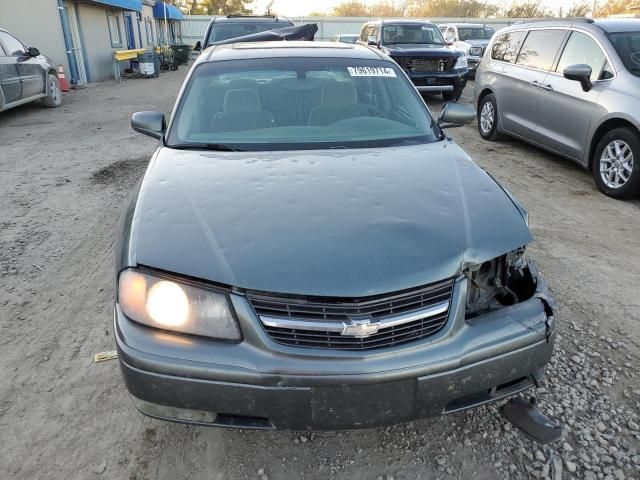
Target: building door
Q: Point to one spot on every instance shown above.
(128, 27)
(76, 48)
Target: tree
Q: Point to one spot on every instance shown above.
(452, 8)
(388, 9)
(616, 7)
(222, 7)
(577, 10)
(527, 9)
(351, 8)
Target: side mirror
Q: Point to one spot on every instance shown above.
(33, 52)
(455, 115)
(449, 39)
(580, 73)
(149, 123)
(372, 40)
(198, 47)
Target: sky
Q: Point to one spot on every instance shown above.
(294, 8)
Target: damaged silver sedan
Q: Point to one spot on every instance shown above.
(309, 250)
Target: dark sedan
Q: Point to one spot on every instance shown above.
(309, 250)
(25, 75)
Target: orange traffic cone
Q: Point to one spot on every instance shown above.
(64, 83)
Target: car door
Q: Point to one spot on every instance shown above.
(10, 85)
(29, 68)
(565, 110)
(522, 93)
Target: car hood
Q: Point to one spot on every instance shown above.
(417, 49)
(477, 43)
(340, 223)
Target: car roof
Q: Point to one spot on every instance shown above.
(614, 25)
(609, 25)
(282, 49)
(400, 21)
(249, 19)
(471, 25)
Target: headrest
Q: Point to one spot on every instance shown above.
(339, 94)
(241, 100)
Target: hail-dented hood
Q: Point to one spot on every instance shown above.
(344, 223)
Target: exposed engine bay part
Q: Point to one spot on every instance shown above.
(525, 416)
(298, 32)
(503, 281)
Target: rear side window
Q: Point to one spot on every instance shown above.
(582, 49)
(540, 49)
(506, 46)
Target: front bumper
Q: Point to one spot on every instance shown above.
(260, 384)
(472, 63)
(439, 81)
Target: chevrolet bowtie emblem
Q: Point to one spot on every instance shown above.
(360, 328)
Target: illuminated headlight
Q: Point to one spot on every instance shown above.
(176, 306)
(475, 51)
(461, 62)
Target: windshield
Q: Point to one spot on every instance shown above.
(421, 34)
(349, 38)
(225, 31)
(475, 33)
(627, 44)
(299, 103)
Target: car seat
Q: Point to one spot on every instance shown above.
(241, 110)
(339, 100)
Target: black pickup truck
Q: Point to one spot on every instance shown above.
(420, 50)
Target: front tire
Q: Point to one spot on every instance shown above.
(54, 94)
(616, 163)
(488, 117)
(453, 96)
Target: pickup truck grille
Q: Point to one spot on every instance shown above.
(355, 324)
(425, 64)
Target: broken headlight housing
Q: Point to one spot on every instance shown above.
(502, 281)
(176, 305)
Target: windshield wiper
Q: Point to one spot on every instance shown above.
(220, 147)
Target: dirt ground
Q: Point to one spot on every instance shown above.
(65, 175)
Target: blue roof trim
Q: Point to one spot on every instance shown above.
(173, 13)
(135, 5)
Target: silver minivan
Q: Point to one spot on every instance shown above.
(571, 87)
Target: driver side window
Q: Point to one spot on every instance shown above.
(582, 49)
(12, 45)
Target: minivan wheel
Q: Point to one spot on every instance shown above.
(616, 163)
(488, 117)
(54, 94)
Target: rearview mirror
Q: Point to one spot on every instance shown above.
(580, 73)
(372, 40)
(149, 123)
(33, 52)
(455, 115)
(198, 47)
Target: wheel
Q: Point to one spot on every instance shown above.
(616, 163)
(488, 117)
(453, 96)
(54, 94)
(173, 67)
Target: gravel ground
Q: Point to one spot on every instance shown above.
(65, 175)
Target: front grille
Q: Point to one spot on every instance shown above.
(317, 322)
(425, 64)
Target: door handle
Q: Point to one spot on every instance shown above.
(543, 86)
